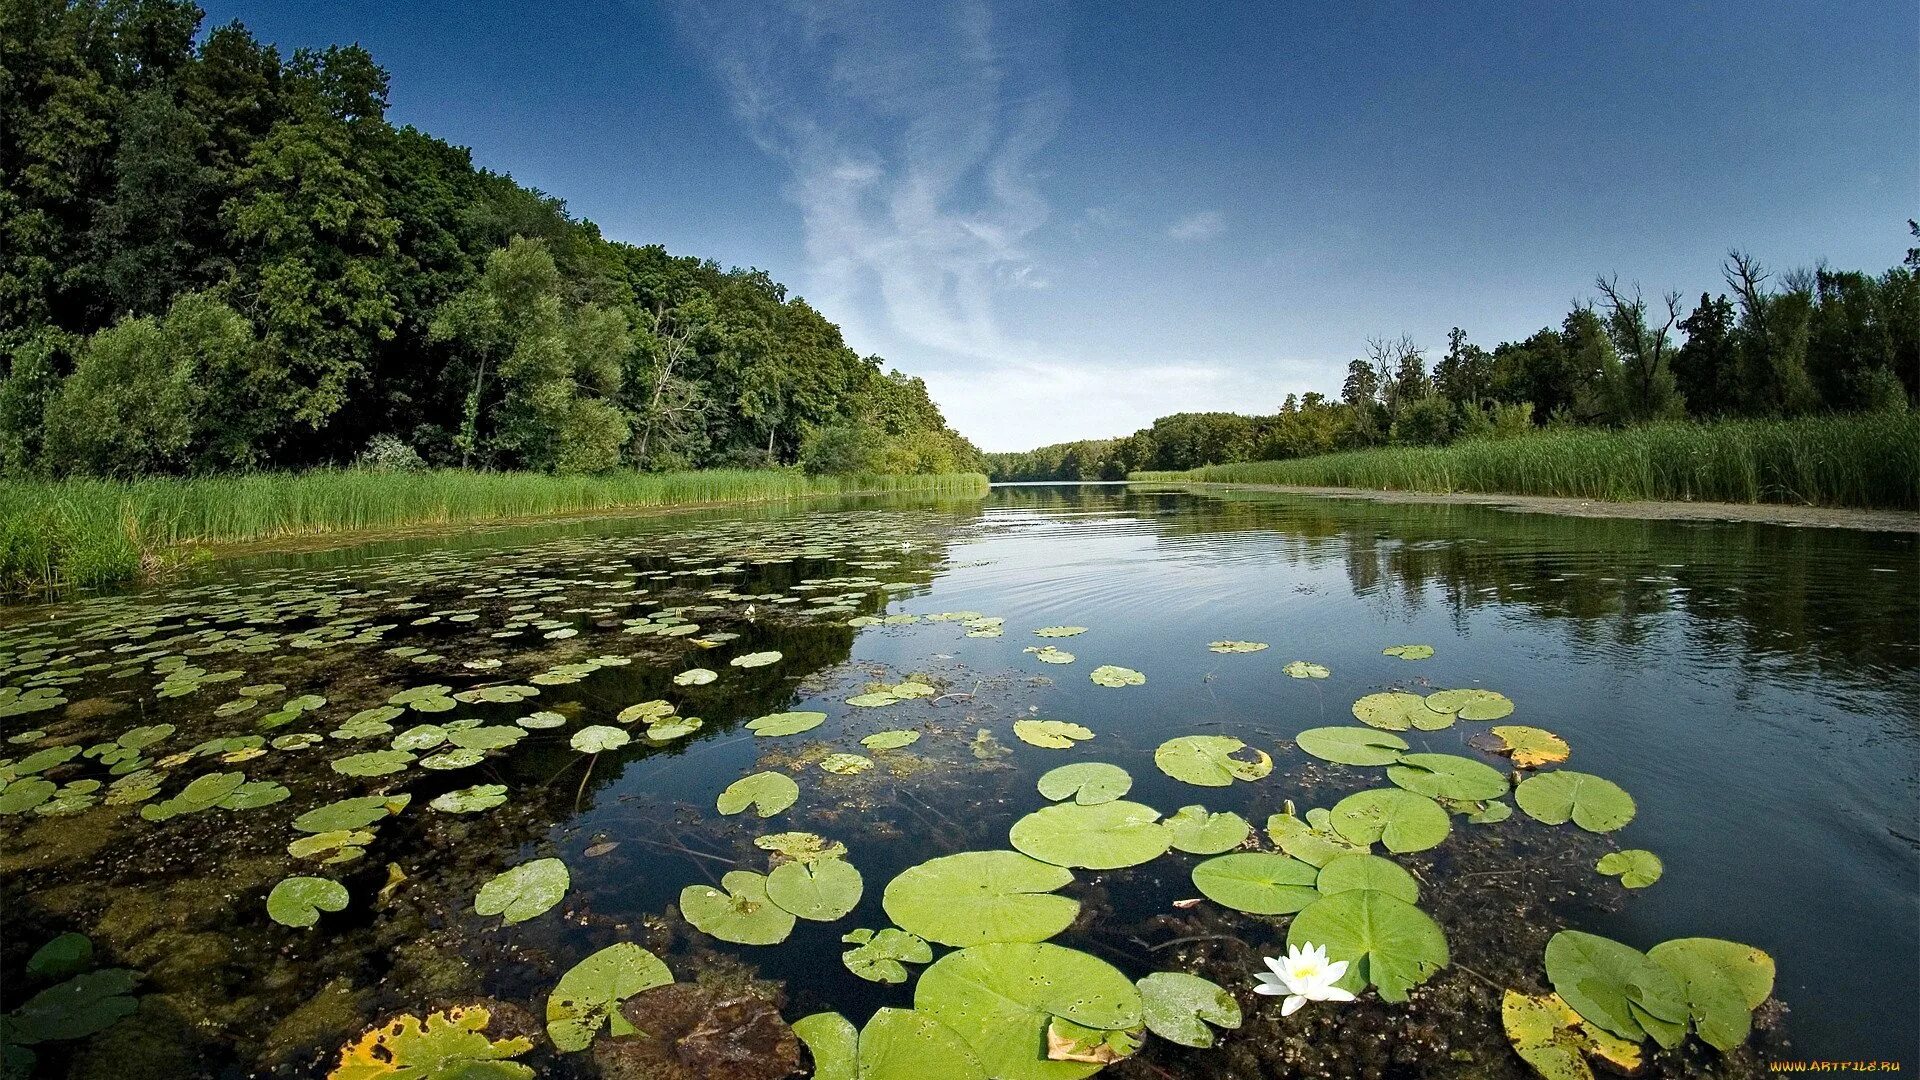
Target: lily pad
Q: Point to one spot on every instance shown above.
(1051, 734)
(596, 738)
(373, 763)
(350, 813)
(1530, 747)
(1448, 776)
(471, 800)
(1197, 832)
(1400, 820)
(1471, 704)
(1385, 941)
(65, 955)
(1300, 669)
(1104, 836)
(1059, 631)
(1346, 873)
(83, 1005)
(1110, 675)
(488, 737)
(1207, 761)
(1723, 981)
(695, 677)
(1613, 985)
(1312, 840)
(1178, 1007)
(1408, 652)
(648, 711)
(1049, 655)
(444, 1046)
(1636, 868)
(786, 723)
(525, 891)
(881, 956)
(981, 896)
(739, 911)
(873, 700)
(822, 890)
(1352, 745)
(1237, 646)
(587, 998)
(1257, 882)
(298, 901)
(754, 660)
(1398, 711)
(1551, 1037)
(845, 764)
(908, 1044)
(1001, 999)
(1088, 783)
(767, 792)
(801, 846)
(1595, 804)
(890, 740)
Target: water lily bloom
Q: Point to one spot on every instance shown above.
(1305, 975)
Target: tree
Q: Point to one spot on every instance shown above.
(1771, 341)
(1465, 374)
(1638, 384)
(1703, 367)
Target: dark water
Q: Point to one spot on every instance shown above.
(1756, 688)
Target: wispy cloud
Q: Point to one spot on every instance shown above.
(910, 133)
(1199, 225)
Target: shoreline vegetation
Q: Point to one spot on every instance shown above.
(1866, 461)
(90, 533)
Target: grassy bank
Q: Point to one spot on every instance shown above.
(97, 532)
(1870, 461)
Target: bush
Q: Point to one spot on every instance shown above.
(843, 448)
(386, 453)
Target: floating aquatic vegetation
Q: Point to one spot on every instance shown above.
(767, 793)
(1109, 675)
(1616, 986)
(890, 740)
(1257, 882)
(1595, 804)
(754, 660)
(845, 764)
(1397, 710)
(1723, 981)
(525, 891)
(1447, 776)
(373, 763)
(445, 1046)
(1059, 631)
(986, 748)
(587, 998)
(1635, 867)
(673, 728)
(1003, 998)
(1051, 734)
(1471, 704)
(351, 813)
(1312, 839)
(229, 791)
(1208, 761)
(1408, 652)
(800, 846)
(1237, 646)
(1401, 821)
(1346, 873)
(1300, 669)
(66, 954)
(820, 890)
(1102, 836)
(1086, 782)
(1551, 1037)
(695, 677)
(1351, 745)
(1386, 941)
(1047, 654)
(471, 800)
(597, 738)
(645, 711)
(881, 956)
(739, 911)
(897, 1044)
(84, 1005)
(298, 901)
(1178, 1007)
(981, 896)
(786, 723)
(1529, 747)
(1197, 832)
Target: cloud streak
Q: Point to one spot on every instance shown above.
(1200, 225)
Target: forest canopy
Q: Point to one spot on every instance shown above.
(216, 257)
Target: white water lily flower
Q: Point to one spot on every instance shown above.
(1305, 975)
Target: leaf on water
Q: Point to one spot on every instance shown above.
(525, 891)
(739, 911)
(1002, 998)
(588, 996)
(1551, 1037)
(1636, 868)
(882, 956)
(1257, 882)
(786, 723)
(1408, 652)
(754, 660)
(767, 792)
(1447, 776)
(1300, 669)
(800, 846)
(1312, 840)
(350, 813)
(1236, 646)
(1385, 940)
(1398, 711)
(908, 1044)
(646, 711)
(676, 727)
(298, 901)
(1723, 981)
(695, 677)
(1178, 1007)
(1491, 813)
(489, 737)
(1345, 873)
(845, 764)
(471, 800)
(444, 1046)
(821, 890)
(64, 955)
(1555, 798)
(1471, 704)
(1400, 820)
(1207, 761)
(1051, 734)
(373, 763)
(1109, 675)
(1197, 832)
(873, 700)
(1352, 745)
(1530, 747)
(596, 738)
(1103, 836)
(1059, 631)
(1047, 654)
(890, 740)
(1612, 985)
(1088, 783)
(981, 896)
(84, 1005)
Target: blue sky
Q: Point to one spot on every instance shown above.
(1072, 218)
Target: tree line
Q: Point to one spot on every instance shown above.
(1791, 344)
(216, 257)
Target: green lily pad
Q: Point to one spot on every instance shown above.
(1049, 655)
(1385, 941)
(908, 1044)
(1312, 840)
(1109, 675)
(83, 1005)
(740, 911)
(1613, 985)
(1345, 873)
(786, 723)
(1197, 832)
(873, 700)
(420, 737)
(890, 740)
(1051, 734)
(1059, 631)
(648, 711)
(445, 1046)
(373, 763)
(754, 660)
(801, 846)
(1447, 776)
(542, 720)
(845, 764)
(253, 795)
(1471, 704)
(821, 891)
(835, 1045)
(1594, 804)
(489, 737)
(65, 955)
(1001, 999)
(1352, 745)
(1104, 836)
(1237, 646)
(1399, 711)
(1178, 1007)
(471, 800)
(695, 677)
(1257, 882)
(1400, 820)
(767, 792)
(1088, 783)
(1491, 813)
(596, 738)
(1636, 868)
(881, 956)
(1408, 652)
(977, 897)
(298, 901)
(1207, 761)
(1723, 981)
(677, 727)
(24, 794)
(350, 813)
(587, 998)
(525, 891)
(1300, 669)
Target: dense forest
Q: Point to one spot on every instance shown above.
(1787, 345)
(215, 257)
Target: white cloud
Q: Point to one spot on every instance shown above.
(1199, 225)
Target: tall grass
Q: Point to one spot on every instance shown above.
(1870, 460)
(96, 532)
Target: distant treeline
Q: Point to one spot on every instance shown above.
(214, 257)
(1802, 343)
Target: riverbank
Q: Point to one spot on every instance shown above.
(1866, 462)
(103, 532)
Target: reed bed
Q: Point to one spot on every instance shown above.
(98, 532)
(1866, 461)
